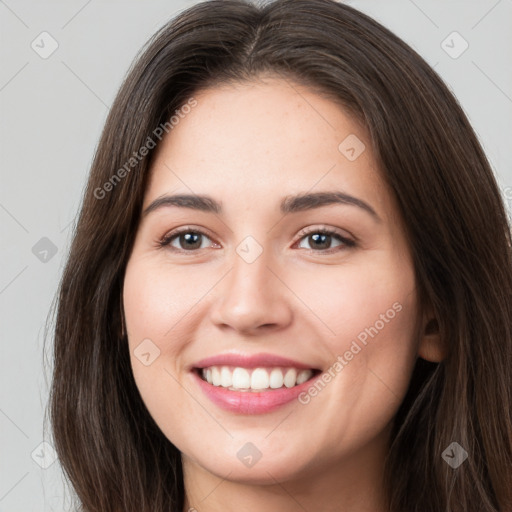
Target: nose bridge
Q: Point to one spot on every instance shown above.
(250, 268)
(251, 295)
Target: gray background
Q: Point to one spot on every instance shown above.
(52, 110)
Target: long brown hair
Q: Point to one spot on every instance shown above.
(115, 456)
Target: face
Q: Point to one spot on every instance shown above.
(300, 311)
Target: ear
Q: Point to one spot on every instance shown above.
(431, 347)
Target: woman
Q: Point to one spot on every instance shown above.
(290, 283)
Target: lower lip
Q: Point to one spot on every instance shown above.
(251, 402)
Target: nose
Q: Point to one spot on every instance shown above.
(252, 298)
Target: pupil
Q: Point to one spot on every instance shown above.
(191, 240)
(322, 237)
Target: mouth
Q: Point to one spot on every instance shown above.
(244, 383)
(256, 380)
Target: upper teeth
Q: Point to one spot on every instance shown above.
(237, 378)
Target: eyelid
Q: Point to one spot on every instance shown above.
(319, 228)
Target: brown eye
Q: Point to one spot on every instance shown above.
(185, 240)
(189, 241)
(323, 239)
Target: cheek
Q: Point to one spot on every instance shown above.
(369, 316)
(157, 299)
(156, 304)
(373, 299)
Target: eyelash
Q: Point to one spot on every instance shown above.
(347, 243)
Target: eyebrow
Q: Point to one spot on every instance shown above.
(289, 204)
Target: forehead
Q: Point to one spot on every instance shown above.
(258, 141)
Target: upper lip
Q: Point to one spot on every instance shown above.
(250, 361)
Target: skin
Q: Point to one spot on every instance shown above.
(248, 145)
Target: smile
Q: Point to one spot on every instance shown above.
(255, 379)
(252, 383)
